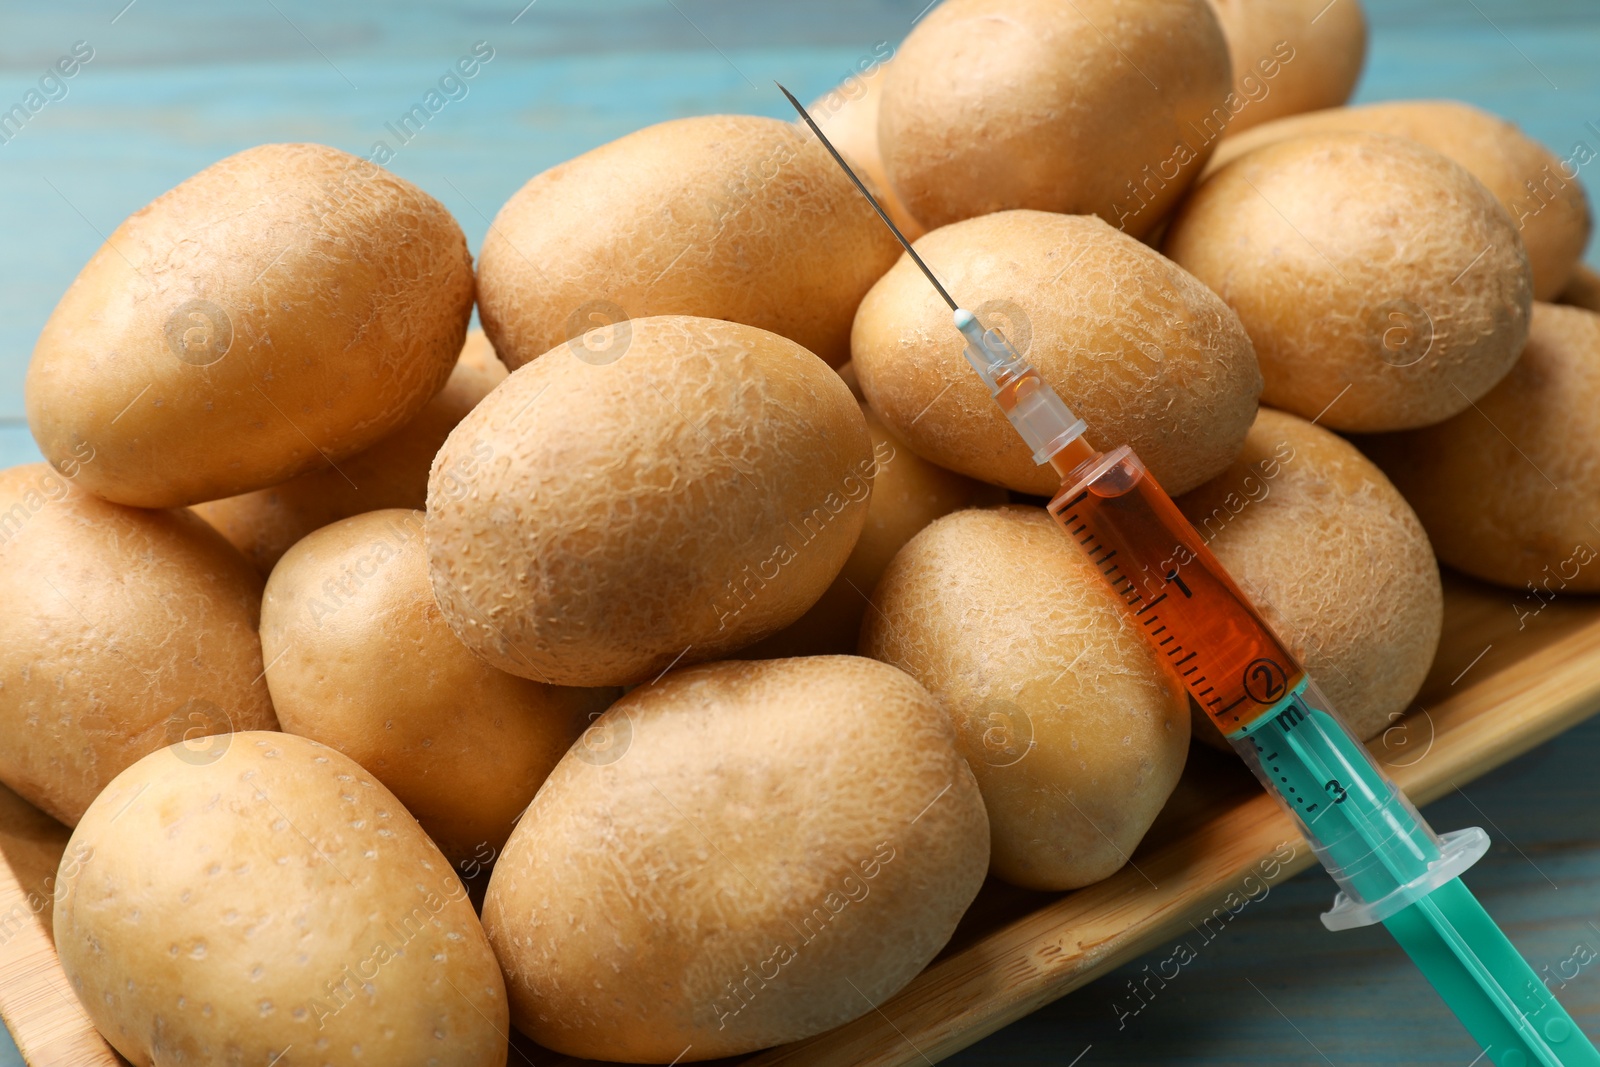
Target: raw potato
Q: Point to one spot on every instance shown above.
(1144, 352)
(1383, 286)
(1507, 491)
(1075, 731)
(1546, 201)
(848, 115)
(1105, 107)
(124, 631)
(908, 492)
(1583, 290)
(275, 905)
(282, 309)
(722, 216)
(1291, 56)
(847, 372)
(595, 524)
(391, 474)
(360, 659)
(778, 847)
(1336, 561)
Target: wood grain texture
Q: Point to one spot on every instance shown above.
(36, 1002)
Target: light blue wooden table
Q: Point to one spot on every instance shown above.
(176, 84)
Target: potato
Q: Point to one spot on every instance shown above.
(391, 474)
(908, 492)
(848, 116)
(1382, 284)
(768, 851)
(359, 658)
(1104, 107)
(1507, 490)
(1546, 201)
(124, 631)
(1075, 731)
(847, 371)
(1141, 350)
(722, 216)
(594, 524)
(1583, 290)
(276, 898)
(283, 309)
(1291, 56)
(1334, 559)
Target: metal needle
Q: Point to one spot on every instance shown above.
(887, 221)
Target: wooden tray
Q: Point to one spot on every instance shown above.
(1497, 689)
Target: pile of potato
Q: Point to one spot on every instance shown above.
(727, 629)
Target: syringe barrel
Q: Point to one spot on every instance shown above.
(1367, 833)
(1206, 632)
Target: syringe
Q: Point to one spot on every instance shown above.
(1390, 865)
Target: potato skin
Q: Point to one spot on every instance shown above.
(723, 216)
(124, 631)
(1383, 285)
(360, 659)
(1336, 561)
(1555, 220)
(276, 898)
(999, 104)
(1075, 732)
(1139, 348)
(1291, 56)
(1507, 491)
(848, 115)
(1582, 291)
(391, 474)
(908, 492)
(697, 897)
(292, 305)
(591, 524)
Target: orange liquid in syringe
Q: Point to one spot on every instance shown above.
(1177, 593)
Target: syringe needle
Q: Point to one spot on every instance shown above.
(1039, 415)
(882, 214)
